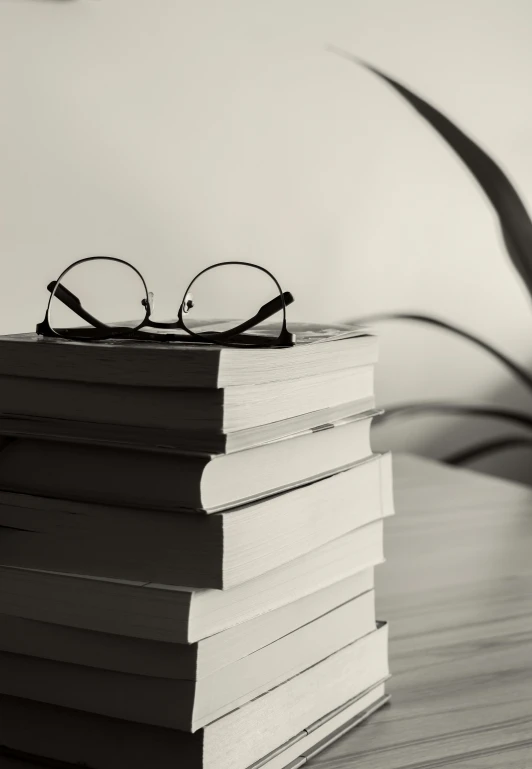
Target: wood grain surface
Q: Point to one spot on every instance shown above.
(457, 590)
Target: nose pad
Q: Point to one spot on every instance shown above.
(149, 303)
(188, 303)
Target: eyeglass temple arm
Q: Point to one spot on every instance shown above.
(265, 312)
(72, 302)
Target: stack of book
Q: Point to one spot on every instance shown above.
(188, 539)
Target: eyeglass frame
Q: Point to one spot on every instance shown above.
(223, 338)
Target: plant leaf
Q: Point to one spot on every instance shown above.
(484, 449)
(514, 219)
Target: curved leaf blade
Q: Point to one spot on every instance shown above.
(515, 222)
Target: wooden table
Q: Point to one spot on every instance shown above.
(457, 591)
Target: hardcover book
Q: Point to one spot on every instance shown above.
(106, 744)
(185, 703)
(178, 481)
(221, 550)
(180, 614)
(318, 349)
(236, 741)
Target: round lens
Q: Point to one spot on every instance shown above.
(223, 297)
(97, 298)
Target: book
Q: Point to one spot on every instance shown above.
(318, 349)
(181, 703)
(161, 659)
(195, 441)
(240, 407)
(175, 481)
(114, 744)
(235, 741)
(221, 550)
(179, 614)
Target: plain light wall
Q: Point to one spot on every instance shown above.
(176, 134)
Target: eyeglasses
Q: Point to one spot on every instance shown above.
(101, 289)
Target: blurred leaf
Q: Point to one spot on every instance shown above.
(439, 408)
(516, 369)
(481, 450)
(514, 219)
